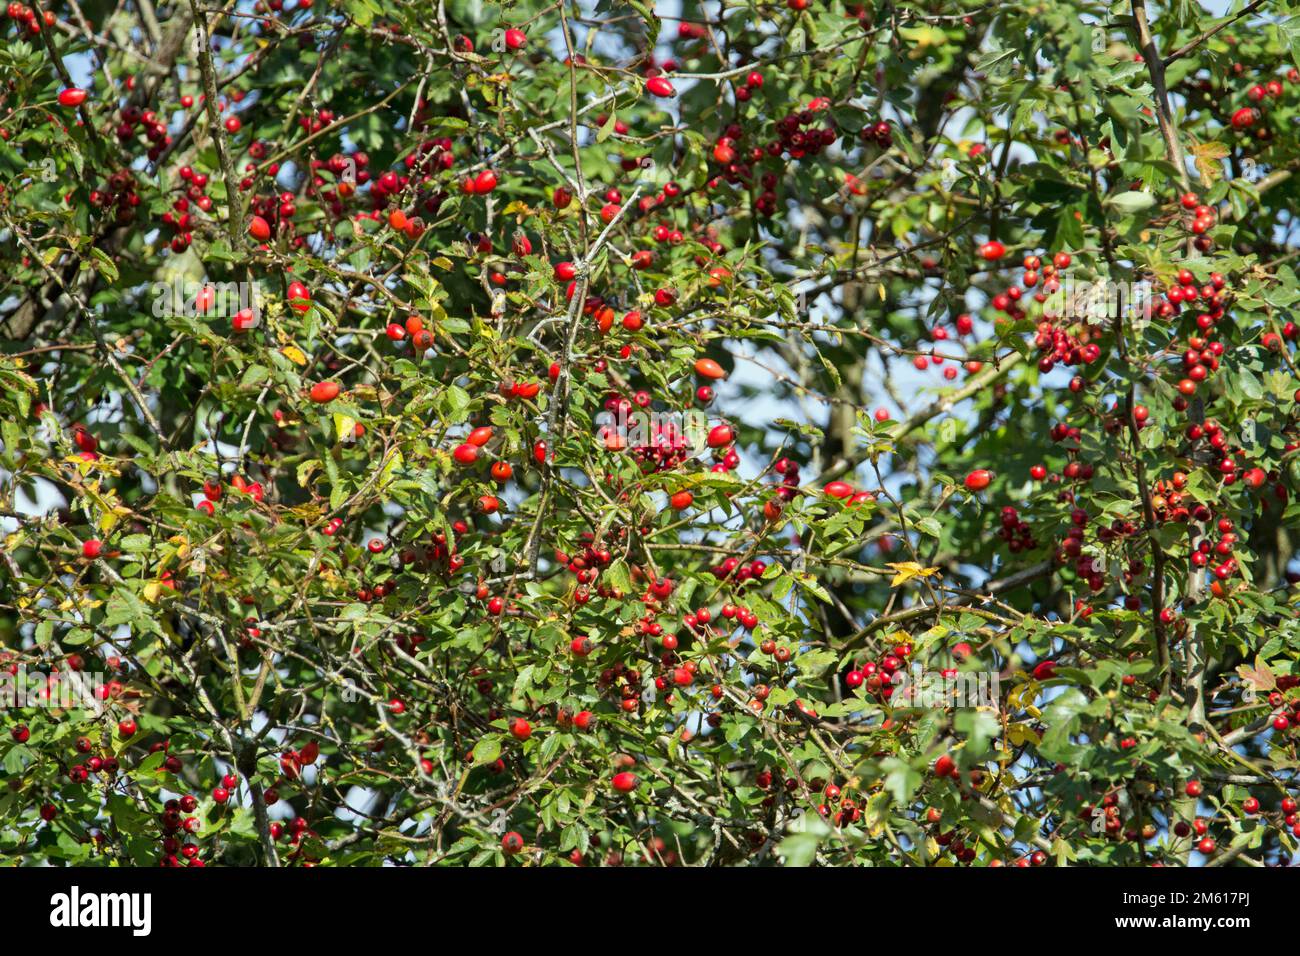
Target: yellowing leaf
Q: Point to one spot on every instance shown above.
(345, 427)
(1259, 677)
(390, 468)
(1022, 694)
(305, 470)
(907, 570)
(109, 519)
(1207, 156)
(294, 354)
(1021, 734)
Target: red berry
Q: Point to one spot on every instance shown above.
(323, 392)
(720, 436)
(659, 86)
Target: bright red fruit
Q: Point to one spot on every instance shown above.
(720, 436)
(659, 86)
(323, 392)
(707, 368)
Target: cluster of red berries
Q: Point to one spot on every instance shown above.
(316, 121)
(19, 13)
(877, 677)
(1203, 220)
(1244, 118)
(153, 125)
(94, 763)
(213, 492)
(1230, 471)
(349, 172)
(949, 841)
(587, 564)
(1015, 532)
(880, 133)
(732, 569)
(797, 134)
(788, 469)
(119, 196)
(667, 450)
(753, 81)
(1074, 470)
(623, 685)
(177, 831)
(1090, 569)
(1206, 551)
(847, 493)
(838, 807)
(178, 218)
(257, 151)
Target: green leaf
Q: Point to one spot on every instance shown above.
(487, 750)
